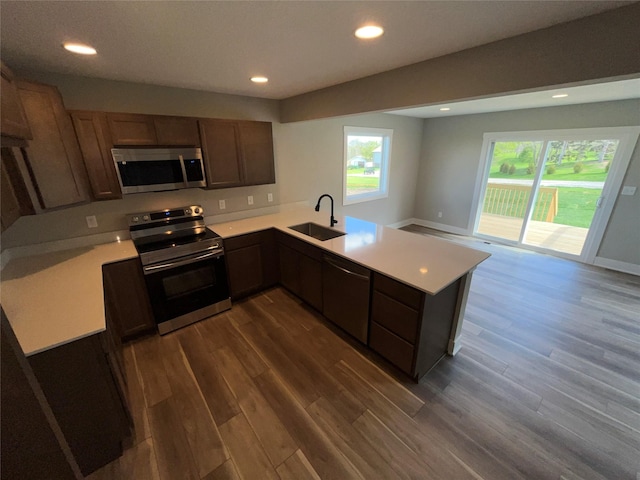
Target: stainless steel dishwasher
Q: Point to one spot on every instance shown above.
(345, 295)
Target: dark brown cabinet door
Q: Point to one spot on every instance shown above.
(301, 269)
(251, 263)
(257, 150)
(14, 120)
(92, 131)
(132, 129)
(126, 298)
(289, 268)
(53, 155)
(221, 152)
(345, 292)
(78, 384)
(9, 206)
(178, 131)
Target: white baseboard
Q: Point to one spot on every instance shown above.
(617, 265)
(441, 226)
(402, 223)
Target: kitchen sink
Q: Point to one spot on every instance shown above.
(317, 231)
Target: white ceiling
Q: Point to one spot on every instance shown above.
(300, 45)
(603, 92)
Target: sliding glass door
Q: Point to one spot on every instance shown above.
(546, 190)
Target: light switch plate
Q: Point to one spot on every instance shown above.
(628, 190)
(250, 199)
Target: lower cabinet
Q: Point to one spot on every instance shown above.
(127, 304)
(345, 295)
(79, 385)
(301, 269)
(252, 264)
(410, 328)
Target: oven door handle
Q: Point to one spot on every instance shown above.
(165, 266)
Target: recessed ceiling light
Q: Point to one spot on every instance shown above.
(259, 79)
(369, 31)
(560, 95)
(80, 48)
(445, 109)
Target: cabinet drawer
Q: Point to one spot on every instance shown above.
(398, 291)
(391, 347)
(395, 316)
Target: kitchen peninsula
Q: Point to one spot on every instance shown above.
(416, 287)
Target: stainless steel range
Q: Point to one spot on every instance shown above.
(183, 263)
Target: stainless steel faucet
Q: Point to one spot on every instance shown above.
(333, 220)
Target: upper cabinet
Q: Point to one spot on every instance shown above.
(152, 130)
(52, 156)
(237, 153)
(95, 143)
(14, 120)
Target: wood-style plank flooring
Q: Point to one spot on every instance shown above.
(546, 386)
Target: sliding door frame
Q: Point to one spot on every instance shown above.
(628, 138)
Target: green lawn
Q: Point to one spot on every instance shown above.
(593, 171)
(576, 206)
(361, 183)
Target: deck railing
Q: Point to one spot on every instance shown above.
(511, 201)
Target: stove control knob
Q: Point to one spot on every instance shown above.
(135, 219)
(145, 217)
(197, 210)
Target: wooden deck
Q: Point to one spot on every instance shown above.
(553, 236)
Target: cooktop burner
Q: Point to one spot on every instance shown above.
(172, 233)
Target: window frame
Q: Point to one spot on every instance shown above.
(385, 161)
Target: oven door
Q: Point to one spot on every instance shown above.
(188, 289)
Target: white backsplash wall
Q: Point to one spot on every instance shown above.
(111, 214)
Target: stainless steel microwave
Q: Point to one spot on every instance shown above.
(157, 169)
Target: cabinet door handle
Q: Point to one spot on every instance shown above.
(348, 272)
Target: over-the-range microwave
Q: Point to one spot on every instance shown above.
(157, 169)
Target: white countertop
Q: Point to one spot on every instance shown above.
(426, 263)
(54, 298)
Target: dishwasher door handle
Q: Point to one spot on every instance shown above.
(348, 272)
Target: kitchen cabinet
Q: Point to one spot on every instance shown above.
(132, 129)
(301, 269)
(345, 295)
(252, 264)
(179, 131)
(32, 443)
(14, 197)
(237, 153)
(408, 327)
(13, 118)
(95, 143)
(152, 130)
(79, 385)
(127, 302)
(53, 156)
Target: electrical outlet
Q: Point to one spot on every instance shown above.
(222, 204)
(628, 190)
(439, 214)
(269, 197)
(91, 221)
(250, 199)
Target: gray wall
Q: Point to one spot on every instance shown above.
(450, 162)
(308, 159)
(577, 52)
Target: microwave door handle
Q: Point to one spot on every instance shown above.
(165, 266)
(184, 171)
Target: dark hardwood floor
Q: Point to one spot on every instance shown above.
(546, 386)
